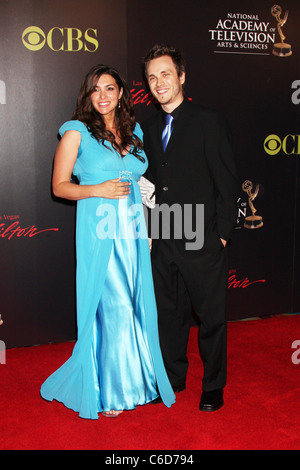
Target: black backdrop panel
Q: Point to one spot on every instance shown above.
(37, 279)
(46, 49)
(230, 66)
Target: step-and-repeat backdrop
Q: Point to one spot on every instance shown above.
(243, 58)
(237, 64)
(46, 49)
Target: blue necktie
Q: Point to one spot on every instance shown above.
(167, 131)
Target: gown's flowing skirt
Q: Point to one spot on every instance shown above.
(125, 371)
(116, 363)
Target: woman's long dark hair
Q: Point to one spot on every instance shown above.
(125, 118)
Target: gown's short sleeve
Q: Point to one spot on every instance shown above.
(75, 125)
(72, 126)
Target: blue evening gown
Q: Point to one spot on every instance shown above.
(116, 363)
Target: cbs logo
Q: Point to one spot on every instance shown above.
(60, 39)
(290, 144)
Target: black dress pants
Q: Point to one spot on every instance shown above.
(183, 283)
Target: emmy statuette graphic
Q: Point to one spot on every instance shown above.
(252, 221)
(280, 49)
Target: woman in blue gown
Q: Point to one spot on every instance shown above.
(116, 363)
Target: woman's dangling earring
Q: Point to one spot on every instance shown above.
(119, 105)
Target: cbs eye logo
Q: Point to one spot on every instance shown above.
(289, 145)
(60, 39)
(34, 38)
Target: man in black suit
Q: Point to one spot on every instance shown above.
(196, 168)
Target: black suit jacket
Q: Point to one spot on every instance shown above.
(198, 166)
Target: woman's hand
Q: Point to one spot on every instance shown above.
(113, 189)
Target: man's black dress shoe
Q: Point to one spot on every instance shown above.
(211, 401)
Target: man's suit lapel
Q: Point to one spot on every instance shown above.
(176, 136)
(156, 132)
(178, 129)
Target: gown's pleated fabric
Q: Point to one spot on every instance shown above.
(116, 363)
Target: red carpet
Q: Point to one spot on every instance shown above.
(262, 400)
